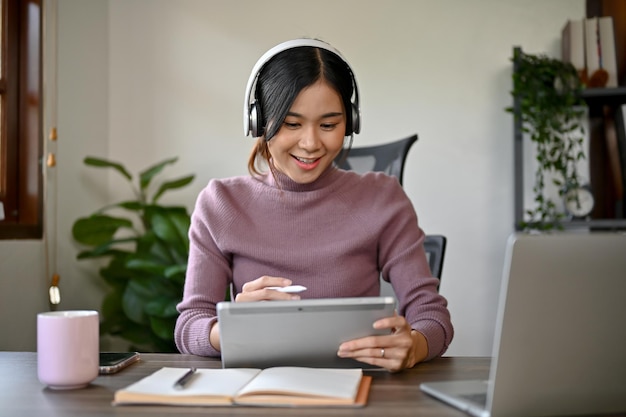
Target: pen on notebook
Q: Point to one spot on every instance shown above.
(184, 380)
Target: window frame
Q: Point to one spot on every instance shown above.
(21, 149)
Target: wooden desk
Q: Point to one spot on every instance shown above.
(21, 393)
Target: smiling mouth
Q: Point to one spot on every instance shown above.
(305, 160)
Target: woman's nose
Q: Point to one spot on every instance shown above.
(310, 140)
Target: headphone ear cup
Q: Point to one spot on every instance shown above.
(356, 121)
(256, 130)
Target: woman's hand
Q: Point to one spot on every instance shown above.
(258, 290)
(401, 349)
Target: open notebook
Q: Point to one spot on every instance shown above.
(560, 339)
(273, 387)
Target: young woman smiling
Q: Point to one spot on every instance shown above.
(298, 219)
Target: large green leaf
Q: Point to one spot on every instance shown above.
(146, 242)
(181, 220)
(103, 163)
(171, 225)
(163, 307)
(133, 305)
(112, 304)
(176, 272)
(146, 176)
(161, 251)
(147, 266)
(150, 247)
(151, 287)
(131, 205)
(98, 229)
(99, 252)
(163, 328)
(116, 273)
(171, 185)
(114, 319)
(108, 248)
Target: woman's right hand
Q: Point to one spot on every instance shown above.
(257, 290)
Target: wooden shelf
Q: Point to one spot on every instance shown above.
(598, 224)
(596, 99)
(599, 97)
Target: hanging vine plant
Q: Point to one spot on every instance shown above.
(548, 93)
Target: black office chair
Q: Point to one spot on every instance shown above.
(390, 158)
(435, 247)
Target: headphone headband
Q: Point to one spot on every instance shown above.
(250, 112)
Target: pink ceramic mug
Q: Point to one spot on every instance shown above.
(68, 348)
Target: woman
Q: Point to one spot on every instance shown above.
(297, 219)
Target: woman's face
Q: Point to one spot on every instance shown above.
(312, 134)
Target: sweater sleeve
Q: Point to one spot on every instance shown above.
(208, 276)
(404, 264)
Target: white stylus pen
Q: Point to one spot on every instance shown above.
(289, 288)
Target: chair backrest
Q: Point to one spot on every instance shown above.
(390, 158)
(435, 247)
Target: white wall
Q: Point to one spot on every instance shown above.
(144, 80)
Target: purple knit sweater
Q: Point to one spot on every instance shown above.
(335, 236)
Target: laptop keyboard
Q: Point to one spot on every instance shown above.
(476, 398)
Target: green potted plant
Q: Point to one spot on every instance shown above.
(146, 248)
(547, 94)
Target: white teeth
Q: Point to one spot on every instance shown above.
(304, 160)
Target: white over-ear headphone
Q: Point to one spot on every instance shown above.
(251, 110)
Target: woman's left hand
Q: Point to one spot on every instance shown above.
(401, 349)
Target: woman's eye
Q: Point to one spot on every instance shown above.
(293, 125)
(329, 126)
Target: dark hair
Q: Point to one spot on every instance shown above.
(280, 81)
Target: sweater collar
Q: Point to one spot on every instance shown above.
(285, 183)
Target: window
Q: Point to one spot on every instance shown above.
(21, 176)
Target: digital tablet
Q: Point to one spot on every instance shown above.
(297, 332)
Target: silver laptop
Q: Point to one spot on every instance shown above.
(297, 333)
(560, 339)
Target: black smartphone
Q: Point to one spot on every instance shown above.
(112, 362)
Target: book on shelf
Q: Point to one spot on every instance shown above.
(573, 45)
(600, 55)
(271, 387)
